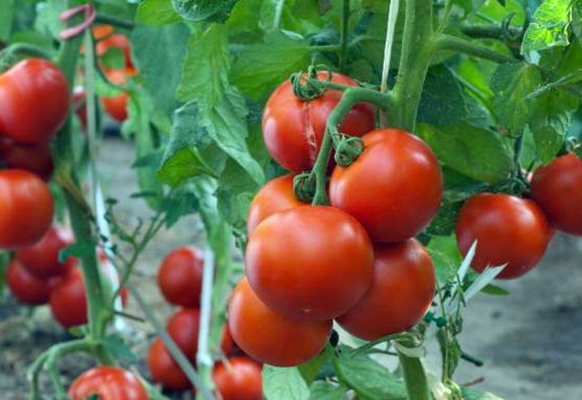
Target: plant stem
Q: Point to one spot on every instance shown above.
(25, 49)
(344, 35)
(460, 45)
(203, 358)
(391, 26)
(280, 4)
(414, 377)
(491, 31)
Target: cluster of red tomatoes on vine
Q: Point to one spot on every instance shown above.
(356, 259)
(180, 282)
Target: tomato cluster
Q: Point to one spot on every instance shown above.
(180, 282)
(35, 277)
(355, 260)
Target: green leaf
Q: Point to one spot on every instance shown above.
(512, 83)
(474, 152)
(189, 141)
(323, 390)
(199, 10)
(442, 101)
(310, 369)
(445, 256)
(284, 384)
(222, 109)
(47, 17)
(471, 394)
(113, 58)
(494, 290)
(549, 27)
(553, 117)
(6, 19)
(79, 250)
(158, 54)
(262, 66)
(157, 12)
(116, 345)
(369, 379)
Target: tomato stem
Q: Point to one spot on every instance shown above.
(456, 44)
(344, 35)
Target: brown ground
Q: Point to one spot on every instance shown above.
(530, 340)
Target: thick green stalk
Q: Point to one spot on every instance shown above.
(415, 59)
(344, 35)
(460, 45)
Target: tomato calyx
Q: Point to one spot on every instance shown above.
(347, 149)
(309, 87)
(304, 187)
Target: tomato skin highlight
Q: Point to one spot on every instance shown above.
(34, 99)
(508, 230)
(26, 208)
(557, 189)
(68, 301)
(393, 189)
(108, 383)
(240, 380)
(310, 262)
(35, 158)
(42, 258)
(26, 287)
(164, 369)
(277, 195)
(293, 129)
(180, 276)
(269, 337)
(403, 289)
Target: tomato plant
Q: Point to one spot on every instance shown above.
(277, 195)
(290, 274)
(238, 379)
(34, 98)
(393, 189)
(26, 287)
(556, 188)
(26, 208)
(180, 276)
(164, 369)
(508, 230)
(108, 383)
(42, 258)
(293, 129)
(270, 337)
(401, 293)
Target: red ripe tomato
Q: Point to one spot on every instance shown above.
(393, 189)
(557, 188)
(508, 230)
(35, 158)
(108, 383)
(403, 288)
(26, 208)
(240, 379)
(277, 195)
(293, 129)
(310, 262)
(270, 337)
(34, 99)
(118, 41)
(180, 276)
(68, 302)
(26, 287)
(42, 258)
(183, 328)
(116, 106)
(163, 369)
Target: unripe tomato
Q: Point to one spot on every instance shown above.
(240, 379)
(310, 262)
(26, 208)
(108, 383)
(403, 288)
(180, 276)
(35, 158)
(508, 230)
(164, 369)
(293, 129)
(68, 301)
(34, 99)
(24, 286)
(270, 337)
(277, 195)
(393, 189)
(118, 41)
(183, 327)
(42, 258)
(557, 188)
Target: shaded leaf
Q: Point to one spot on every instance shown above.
(199, 10)
(157, 12)
(442, 101)
(284, 384)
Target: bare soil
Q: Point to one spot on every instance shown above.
(530, 340)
